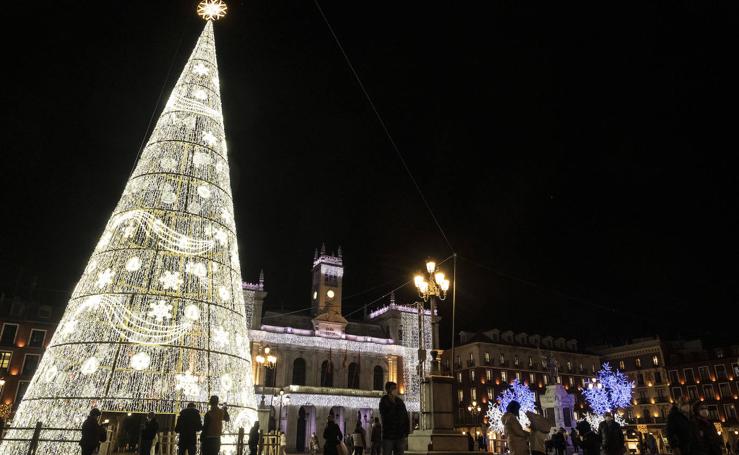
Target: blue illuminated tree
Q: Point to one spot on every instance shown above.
(516, 391)
(608, 391)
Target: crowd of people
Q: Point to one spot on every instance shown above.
(689, 432)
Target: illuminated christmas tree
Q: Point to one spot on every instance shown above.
(609, 391)
(157, 319)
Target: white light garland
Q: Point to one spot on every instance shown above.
(136, 335)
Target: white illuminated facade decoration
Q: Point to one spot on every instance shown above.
(157, 318)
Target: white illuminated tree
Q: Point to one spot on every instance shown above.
(157, 319)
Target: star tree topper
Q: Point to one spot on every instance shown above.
(212, 10)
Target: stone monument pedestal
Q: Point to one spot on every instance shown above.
(436, 432)
(559, 404)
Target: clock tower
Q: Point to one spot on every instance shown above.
(328, 272)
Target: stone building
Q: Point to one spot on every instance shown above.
(327, 363)
(711, 376)
(25, 330)
(485, 362)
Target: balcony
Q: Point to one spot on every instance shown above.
(470, 363)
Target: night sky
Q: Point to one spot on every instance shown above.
(580, 159)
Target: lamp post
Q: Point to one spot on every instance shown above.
(474, 409)
(283, 399)
(431, 285)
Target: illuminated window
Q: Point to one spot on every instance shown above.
(491, 393)
(559, 379)
(489, 374)
(637, 362)
(532, 378)
(459, 377)
(546, 379)
(472, 375)
(569, 366)
(531, 362)
(693, 392)
(473, 393)
(5, 359)
(504, 376)
(8, 336)
(688, 373)
(621, 365)
(518, 375)
(502, 359)
(487, 358)
(460, 395)
(515, 360)
(721, 372)
(655, 360)
(571, 380)
(37, 338)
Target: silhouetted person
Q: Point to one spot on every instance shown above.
(148, 433)
(92, 432)
(188, 425)
(376, 437)
(611, 436)
(210, 439)
(332, 435)
(470, 442)
(359, 441)
(253, 441)
(395, 421)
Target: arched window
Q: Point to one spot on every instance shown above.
(299, 371)
(378, 378)
(327, 374)
(352, 380)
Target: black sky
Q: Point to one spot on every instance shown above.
(580, 157)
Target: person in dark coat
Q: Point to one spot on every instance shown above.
(92, 432)
(681, 431)
(148, 433)
(558, 442)
(710, 442)
(332, 435)
(575, 440)
(376, 437)
(395, 421)
(589, 439)
(188, 425)
(470, 442)
(611, 436)
(253, 441)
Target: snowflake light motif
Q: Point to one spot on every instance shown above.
(105, 278)
(160, 310)
(140, 361)
(211, 10)
(220, 236)
(192, 312)
(209, 138)
(196, 268)
(171, 280)
(224, 294)
(200, 94)
(187, 383)
(200, 69)
(69, 327)
(90, 366)
(516, 391)
(133, 264)
(220, 337)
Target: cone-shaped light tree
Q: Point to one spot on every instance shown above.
(157, 318)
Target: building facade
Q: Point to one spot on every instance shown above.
(711, 376)
(25, 330)
(486, 362)
(327, 364)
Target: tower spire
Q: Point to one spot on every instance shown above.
(158, 312)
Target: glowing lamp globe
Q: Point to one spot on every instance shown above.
(430, 266)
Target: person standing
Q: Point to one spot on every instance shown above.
(359, 441)
(558, 442)
(92, 432)
(187, 426)
(589, 439)
(149, 434)
(470, 442)
(710, 441)
(332, 435)
(314, 446)
(611, 436)
(376, 437)
(574, 437)
(210, 439)
(283, 443)
(395, 421)
(681, 430)
(517, 438)
(538, 435)
(253, 441)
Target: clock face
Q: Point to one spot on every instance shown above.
(315, 295)
(330, 294)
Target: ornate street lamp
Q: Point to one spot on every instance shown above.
(283, 399)
(474, 409)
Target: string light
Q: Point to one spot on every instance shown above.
(157, 318)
